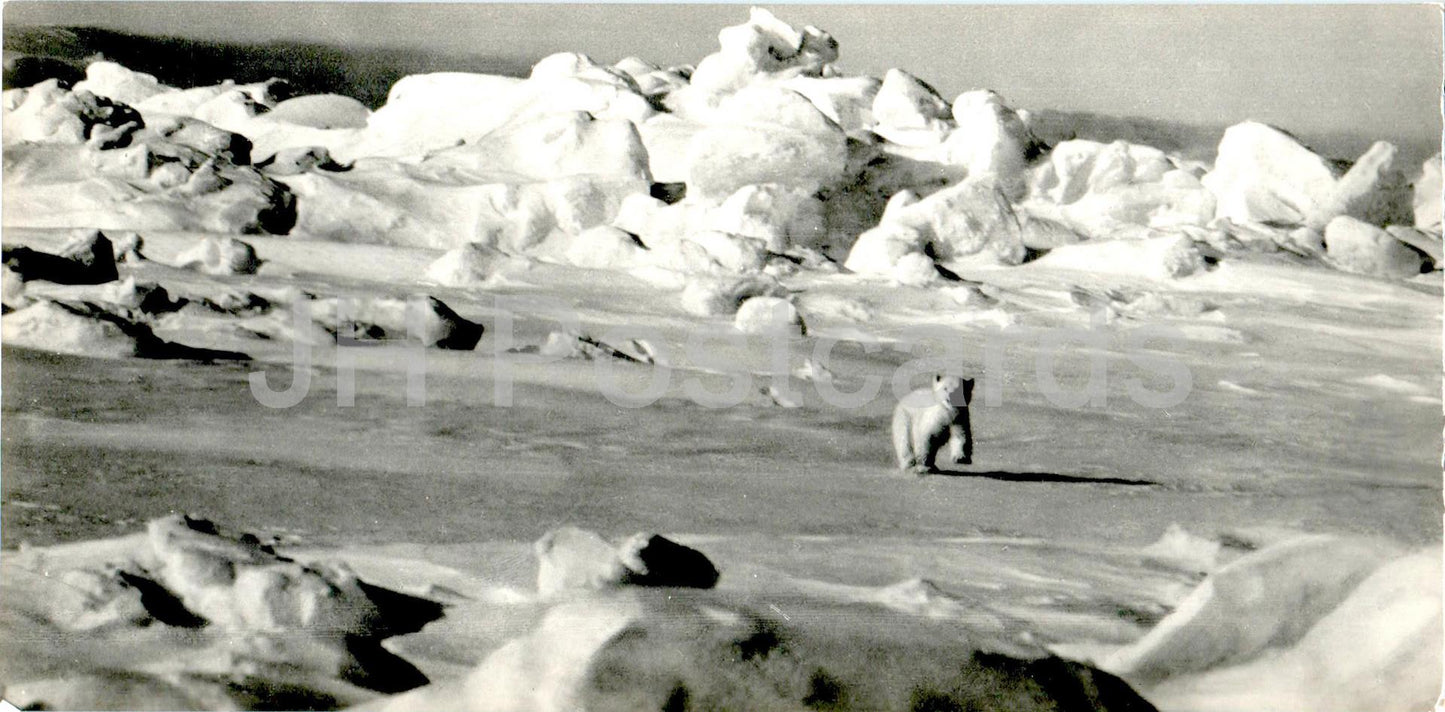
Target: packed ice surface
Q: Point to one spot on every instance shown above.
(445, 359)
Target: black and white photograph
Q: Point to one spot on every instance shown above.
(507, 357)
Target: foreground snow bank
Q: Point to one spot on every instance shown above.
(1311, 622)
(258, 622)
(1266, 599)
(1379, 649)
(636, 650)
(615, 642)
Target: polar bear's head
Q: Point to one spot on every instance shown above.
(953, 390)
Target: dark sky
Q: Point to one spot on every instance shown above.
(1371, 69)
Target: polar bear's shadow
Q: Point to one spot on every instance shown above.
(1042, 477)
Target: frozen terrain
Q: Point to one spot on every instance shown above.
(533, 317)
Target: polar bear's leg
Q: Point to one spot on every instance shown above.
(960, 445)
(953, 451)
(927, 440)
(902, 440)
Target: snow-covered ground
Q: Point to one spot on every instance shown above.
(1207, 424)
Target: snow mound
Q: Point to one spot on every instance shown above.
(1160, 258)
(49, 113)
(878, 249)
(1390, 624)
(571, 65)
(88, 257)
(171, 102)
(1179, 549)
(118, 83)
(420, 319)
(1375, 190)
(568, 81)
(12, 290)
(846, 101)
(311, 629)
(552, 146)
(1076, 168)
(769, 316)
(201, 136)
(556, 175)
(764, 46)
(60, 328)
(780, 216)
(1356, 246)
(1379, 649)
(1264, 175)
(239, 585)
(990, 140)
(572, 559)
(972, 217)
(382, 201)
(94, 599)
(637, 650)
(575, 345)
(471, 265)
(907, 102)
(834, 307)
(575, 559)
(721, 252)
(604, 247)
(915, 269)
(178, 175)
(920, 597)
(1428, 192)
(771, 136)
(321, 111)
(441, 207)
(220, 256)
(635, 67)
(425, 112)
(738, 231)
(1040, 233)
(722, 296)
(127, 298)
(1427, 243)
(429, 112)
(300, 159)
(1103, 189)
(657, 81)
(1269, 598)
(231, 109)
(89, 329)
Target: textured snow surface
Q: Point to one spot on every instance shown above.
(574, 389)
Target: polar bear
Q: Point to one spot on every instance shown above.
(928, 419)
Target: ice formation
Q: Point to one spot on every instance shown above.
(763, 192)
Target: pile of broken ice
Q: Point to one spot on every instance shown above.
(764, 153)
